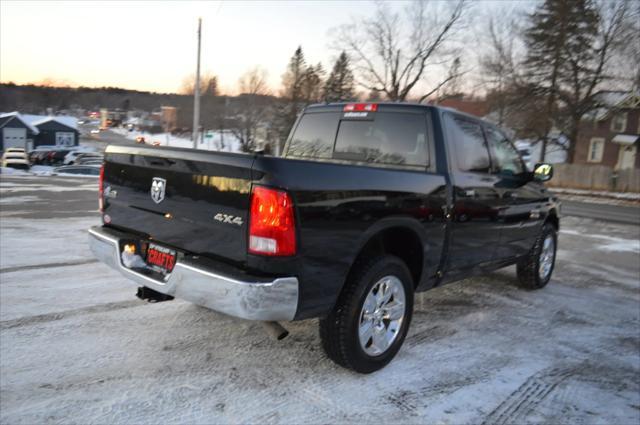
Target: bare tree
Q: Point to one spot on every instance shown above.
(251, 85)
(391, 52)
(254, 82)
(208, 84)
(498, 64)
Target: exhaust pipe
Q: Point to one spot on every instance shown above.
(275, 330)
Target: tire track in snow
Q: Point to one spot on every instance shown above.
(48, 265)
(50, 317)
(524, 399)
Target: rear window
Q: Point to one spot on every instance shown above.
(392, 138)
(314, 136)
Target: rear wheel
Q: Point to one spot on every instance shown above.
(370, 321)
(535, 270)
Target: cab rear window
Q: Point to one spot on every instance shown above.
(391, 138)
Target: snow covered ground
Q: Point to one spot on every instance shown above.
(76, 346)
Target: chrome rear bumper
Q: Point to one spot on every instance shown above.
(270, 300)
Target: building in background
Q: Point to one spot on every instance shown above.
(169, 117)
(610, 135)
(29, 131)
(476, 107)
(16, 132)
(112, 117)
(53, 131)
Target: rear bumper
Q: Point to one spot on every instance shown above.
(248, 298)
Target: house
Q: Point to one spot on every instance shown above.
(16, 132)
(56, 131)
(610, 135)
(477, 107)
(29, 131)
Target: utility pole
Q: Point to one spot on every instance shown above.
(196, 93)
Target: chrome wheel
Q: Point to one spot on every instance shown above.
(547, 256)
(382, 315)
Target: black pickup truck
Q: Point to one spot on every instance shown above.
(370, 203)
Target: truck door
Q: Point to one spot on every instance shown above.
(521, 199)
(475, 230)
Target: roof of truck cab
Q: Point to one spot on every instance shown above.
(339, 106)
(389, 106)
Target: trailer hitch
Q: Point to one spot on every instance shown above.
(149, 295)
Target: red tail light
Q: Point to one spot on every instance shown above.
(101, 189)
(360, 107)
(272, 229)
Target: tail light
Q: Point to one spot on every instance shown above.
(272, 229)
(101, 189)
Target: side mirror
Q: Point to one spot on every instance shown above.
(543, 172)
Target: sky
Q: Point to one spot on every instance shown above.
(151, 45)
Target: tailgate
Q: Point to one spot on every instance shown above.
(196, 201)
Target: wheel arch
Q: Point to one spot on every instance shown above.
(553, 219)
(403, 238)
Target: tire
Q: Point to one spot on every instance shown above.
(340, 330)
(531, 272)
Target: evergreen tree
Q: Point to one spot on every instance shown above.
(340, 84)
(560, 31)
(293, 78)
(312, 84)
(292, 93)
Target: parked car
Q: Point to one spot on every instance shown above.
(370, 203)
(73, 154)
(98, 162)
(56, 156)
(95, 131)
(15, 150)
(140, 139)
(12, 158)
(36, 157)
(83, 158)
(89, 170)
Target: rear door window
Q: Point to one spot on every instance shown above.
(470, 146)
(390, 138)
(314, 135)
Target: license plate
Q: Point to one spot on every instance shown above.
(161, 258)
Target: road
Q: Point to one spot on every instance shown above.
(76, 346)
(102, 139)
(606, 212)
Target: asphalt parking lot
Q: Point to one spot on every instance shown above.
(76, 346)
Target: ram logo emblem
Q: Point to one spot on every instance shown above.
(158, 187)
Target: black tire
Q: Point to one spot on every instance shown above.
(528, 269)
(339, 330)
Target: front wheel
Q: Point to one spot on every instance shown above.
(534, 271)
(370, 321)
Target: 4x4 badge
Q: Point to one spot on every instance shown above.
(157, 189)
